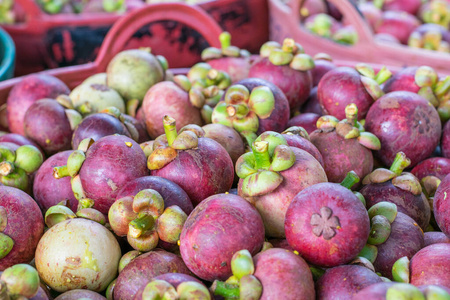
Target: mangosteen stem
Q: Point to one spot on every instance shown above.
(226, 290)
(262, 156)
(288, 45)
(249, 137)
(351, 113)
(383, 75)
(6, 168)
(85, 203)
(239, 110)
(170, 129)
(140, 225)
(400, 163)
(225, 39)
(60, 172)
(350, 180)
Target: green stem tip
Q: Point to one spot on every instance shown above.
(170, 129)
(400, 163)
(350, 180)
(261, 153)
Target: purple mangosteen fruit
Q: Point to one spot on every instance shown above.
(327, 223)
(27, 91)
(228, 223)
(20, 140)
(434, 166)
(430, 265)
(288, 67)
(424, 81)
(376, 291)
(143, 268)
(96, 126)
(441, 205)
(80, 294)
(252, 106)
(230, 59)
(405, 239)
(398, 187)
(45, 185)
(312, 7)
(345, 145)
(435, 237)
(312, 105)
(272, 174)
(272, 274)
(404, 122)
(371, 12)
(99, 172)
(228, 137)
(400, 24)
(21, 227)
(297, 136)
(323, 63)
(409, 6)
(343, 282)
(199, 165)
(307, 120)
(431, 37)
(50, 125)
(345, 85)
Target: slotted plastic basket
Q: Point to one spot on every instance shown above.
(7, 55)
(285, 22)
(122, 36)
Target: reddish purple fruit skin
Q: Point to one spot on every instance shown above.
(430, 265)
(281, 243)
(305, 172)
(406, 239)
(280, 115)
(445, 140)
(173, 278)
(404, 121)
(20, 140)
(410, 6)
(25, 225)
(375, 291)
(46, 123)
(415, 206)
(435, 237)
(343, 282)
(433, 166)
(441, 205)
(96, 126)
(312, 105)
(143, 268)
(201, 172)
(140, 127)
(302, 143)
(109, 165)
(340, 87)
(296, 85)
(396, 23)
(342, 155)
(80, 294)
(349, 239)
(167, 98)
(218, 227)
(27, 91)
(171, 192)
(229, 138)
(49, 191)
(404, 80)
(321, 67)
(306, 120)
(283, 275)
(236, 67)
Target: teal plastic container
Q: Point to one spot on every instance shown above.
(7, 55)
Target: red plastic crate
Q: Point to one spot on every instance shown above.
(51, 41)
(285, 22)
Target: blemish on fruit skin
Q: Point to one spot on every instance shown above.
(296, 252)
(129, 144)
(47, 141)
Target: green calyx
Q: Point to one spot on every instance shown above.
(260, 168)
(58, 213)
(372, 80)
(242, 284)
(404, 291)
(297, 130)
(6, 245)
(350, 180)
(290, 53)
(436, 91)
(22, 280)
(380, 229)
(438, 12)
(166, 146)
(400, 270)
(74, 162)
(226, 50)
(242, 109)
(381, 175)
